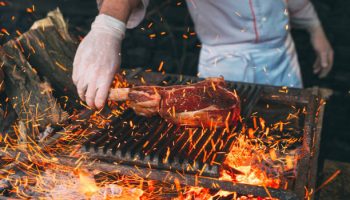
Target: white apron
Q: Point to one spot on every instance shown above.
(246, 41)
(269, 64)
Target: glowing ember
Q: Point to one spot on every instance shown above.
(263, 153)
(87, 184)
(244, 157)
(202, 193)
(255, 158)
(260, 156)
(56, 184)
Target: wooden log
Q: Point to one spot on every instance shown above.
(7, 117)
(50, 50)
(38, 67)
(31, 97)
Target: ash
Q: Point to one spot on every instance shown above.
(55, 184)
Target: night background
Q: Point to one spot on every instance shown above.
(167, 35)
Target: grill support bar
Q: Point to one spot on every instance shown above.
(185, 179)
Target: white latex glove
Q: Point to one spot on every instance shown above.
(324, 52)
(97, 60)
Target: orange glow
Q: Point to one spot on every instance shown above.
(160, 66)
(87, 183)
(256, 157)
(5, 31)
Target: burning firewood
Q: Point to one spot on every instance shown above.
(25, 89)
(206, 103)
(36, 66)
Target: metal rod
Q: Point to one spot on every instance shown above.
(185, 179)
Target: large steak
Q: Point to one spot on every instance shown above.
(204, 104)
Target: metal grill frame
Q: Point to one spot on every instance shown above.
(307, 168)
(178, 160)
(311, 98)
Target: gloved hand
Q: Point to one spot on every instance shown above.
(97, 60)
(324, 52)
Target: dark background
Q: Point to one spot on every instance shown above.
(180, 55)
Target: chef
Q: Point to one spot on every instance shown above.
(242, 40)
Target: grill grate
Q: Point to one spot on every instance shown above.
(152, 142)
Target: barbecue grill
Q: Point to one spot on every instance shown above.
(155, 149)
(152, 142)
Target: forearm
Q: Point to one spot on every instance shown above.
(303, 14)
(99, 4)
(119, 9)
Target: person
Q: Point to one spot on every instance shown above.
(247, 41)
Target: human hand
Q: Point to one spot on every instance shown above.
(324, 52)
(97, 60)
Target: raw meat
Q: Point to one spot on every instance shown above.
(204, 104)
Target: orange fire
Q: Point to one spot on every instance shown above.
(87, 184)
(242, 165)
(256, 157)
(244, 159)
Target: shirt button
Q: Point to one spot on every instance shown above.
(286, 27)
(263, 19)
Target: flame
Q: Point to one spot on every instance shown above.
(244, 164)
(199, 193)
(251, 161)
(256, 157)
(87, 184)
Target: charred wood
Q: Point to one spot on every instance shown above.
(50, 50)
(30, 97)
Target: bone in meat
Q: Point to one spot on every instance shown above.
(203, 104)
